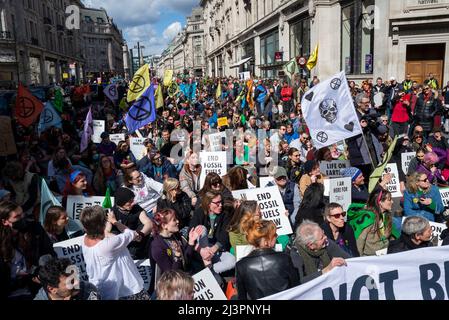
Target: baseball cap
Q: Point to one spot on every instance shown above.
(279, 172)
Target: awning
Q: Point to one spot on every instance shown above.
(238, 64)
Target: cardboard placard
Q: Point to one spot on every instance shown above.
(99, 128)
(76, 204)
(212, 162)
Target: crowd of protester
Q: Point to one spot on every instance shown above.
(161, 213)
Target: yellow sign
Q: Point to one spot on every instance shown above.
(65, 75)
(168, 76)
(222, 122)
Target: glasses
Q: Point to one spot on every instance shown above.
(217, 203)
(338, 215)
(425, 180)
(281, 178)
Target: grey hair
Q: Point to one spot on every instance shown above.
(305, 233)
(359, 97)
(415, 225)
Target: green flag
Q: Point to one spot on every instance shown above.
(58, 103)
(290, 68)
(107, 203)
(377, 173)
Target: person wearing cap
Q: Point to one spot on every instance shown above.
(289, 191)
(106, 146)
(312, 174)
(156, 166)
(359, 191)
(135, 218)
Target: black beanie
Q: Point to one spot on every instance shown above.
(122, 196)
(309, 165)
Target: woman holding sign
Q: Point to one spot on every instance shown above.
(422, 198)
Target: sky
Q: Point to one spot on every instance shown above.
(154, 23)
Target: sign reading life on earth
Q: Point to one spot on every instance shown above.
(340, 191)
(332, 169)
(393, 186)
(76, 204)
(137, 147)
(99, 128)
(271, 206)
(444, 192)
(117, 137)
(212, 162)
(206, 286)
(405, 160)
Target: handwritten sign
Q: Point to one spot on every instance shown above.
(393, 186)
(405, 160)
(332, 169)
(137, 147)
(145, 270)
(206, 286)
(215, 141)
(212, 162)
(444, 192)
(76, 204)
(99, 128)
(72, 250)
(340, 191)
(117, 137)
(222, 122)
(271, 206)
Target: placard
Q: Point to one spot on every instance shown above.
(340, 191)
(393, 186)
(137, 147)
(264, 181)
(406, 157)
(271, 206)
(72, 250)
(212, 162)
(76, 204)
(206, 286)
(117, 137)
(145, 270)
(332, 169)
(215, 141)
(222, 122)
(99, 128)
(444, 192)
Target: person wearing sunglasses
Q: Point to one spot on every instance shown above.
(336, 229)
(422, 198)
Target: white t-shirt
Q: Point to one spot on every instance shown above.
(110, 267)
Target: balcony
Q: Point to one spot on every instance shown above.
(34, 41)
(5, 35)
(47, 21)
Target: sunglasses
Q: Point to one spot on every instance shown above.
(338, 215)
(218, 203)
(425, 180)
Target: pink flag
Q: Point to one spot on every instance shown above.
(87, 132)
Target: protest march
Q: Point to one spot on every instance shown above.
(225, 188)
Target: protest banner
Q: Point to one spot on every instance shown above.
(215, 141)
(7, 142)
(264, 181)
(406, 157)
(137, 147)
(222, 122)
(212, 162)
(393, 186)
(145, 270)
(271, 206)
(332, 169)
(340, 191)
(242, 251)
(117, 137)
(99, 128)
(419, 274)
(72, 250)
(76, 204)
(444, 192)
(206, 286)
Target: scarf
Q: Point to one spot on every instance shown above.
(310, 258)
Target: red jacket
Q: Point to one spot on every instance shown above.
(287, 93)
(400, 113)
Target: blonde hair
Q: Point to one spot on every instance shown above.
(175, 285)
(169, 185)
(412, 181)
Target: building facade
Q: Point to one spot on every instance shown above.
(103, 44)
(194, 44)
(35, 45)
(366, 38)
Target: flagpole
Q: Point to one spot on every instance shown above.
(369, 153)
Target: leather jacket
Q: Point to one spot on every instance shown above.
(264, 272)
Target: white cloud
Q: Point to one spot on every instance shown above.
(182, 6)
(172, 30)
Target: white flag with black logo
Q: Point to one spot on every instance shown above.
(329, 112)
(111, 92)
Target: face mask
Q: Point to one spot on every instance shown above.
(21, 225)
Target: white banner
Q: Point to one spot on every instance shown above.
(419, 274)
(445, 196)
(99, 128)
(405, 160)
(393, 186)
(340, 191)
(332, 169)
(271, 206)
(212, 162)
(206, 287)
(76, 204)
(137, 147)
(117, 137)
(329, 112)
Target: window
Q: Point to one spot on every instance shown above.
(196, 27)
(357, 39)
(88, 19)
(268, 46)
(100, 20)
(300, 38)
